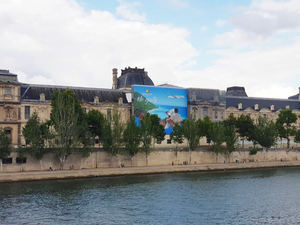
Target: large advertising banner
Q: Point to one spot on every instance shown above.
(169, 104)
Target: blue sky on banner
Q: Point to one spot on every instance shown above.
(189, 43)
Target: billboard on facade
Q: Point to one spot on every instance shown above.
(169, 104)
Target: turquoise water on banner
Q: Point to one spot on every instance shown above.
(249, 197)
(161, 111)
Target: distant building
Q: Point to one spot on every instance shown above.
(19, 100)
(238, 103)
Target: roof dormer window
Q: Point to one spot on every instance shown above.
(240, 106)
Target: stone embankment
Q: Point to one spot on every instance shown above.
(84, 173)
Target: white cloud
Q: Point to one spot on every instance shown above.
(177, 3)
(262, 50)
(130, 11)
(261, 21)
(270, 72)
(58, 42)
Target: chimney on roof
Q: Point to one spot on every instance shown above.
(115, 78)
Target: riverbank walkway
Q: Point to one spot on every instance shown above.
(100, 172)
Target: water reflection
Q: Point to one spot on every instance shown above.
(250, 197)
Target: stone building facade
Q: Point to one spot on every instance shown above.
(206, 102)
(18, 101)
(238, 103)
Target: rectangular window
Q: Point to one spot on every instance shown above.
(7, 161)
(8, 91)
(27, 112)
(216, 115)
(21, 160)
(8, 132)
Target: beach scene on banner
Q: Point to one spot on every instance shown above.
(169, 104)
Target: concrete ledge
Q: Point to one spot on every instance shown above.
(67, 174)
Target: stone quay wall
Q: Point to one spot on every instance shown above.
(158, 157)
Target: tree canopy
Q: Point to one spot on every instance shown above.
(265, 132)
(4, 144)
(285, 124)
(36, 134)
(69, 123)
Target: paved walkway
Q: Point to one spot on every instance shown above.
(62, 174)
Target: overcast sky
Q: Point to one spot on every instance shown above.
(190, 43)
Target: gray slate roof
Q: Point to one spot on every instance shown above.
(132, 76)
(31, 92)
(198, 95)
(236, 91)
(249, 102)
(7, 77)
(295, 97)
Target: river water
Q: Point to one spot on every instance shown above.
(270, 196)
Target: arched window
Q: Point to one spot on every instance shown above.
(8, 132)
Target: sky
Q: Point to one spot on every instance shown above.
(188, 43)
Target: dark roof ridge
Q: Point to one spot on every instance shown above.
(206, 89)
(262, 98)
(73, 87)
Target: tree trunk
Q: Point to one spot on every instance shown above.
(190, 154)
(288, 142)
(62, 162)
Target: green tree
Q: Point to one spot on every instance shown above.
(297, 136)
(230, 121)
(285, 124)
(4, 145)
(230, 138)
(95, 121)
(217, 135)
(265, 132)
(151, 131)
(132, 137)
(146, 133)
(36, 134)
(192, 135)
(204, 127)
(112, 135)
(157, 130)
(69, 123)
(177, 135)
(245, 128)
